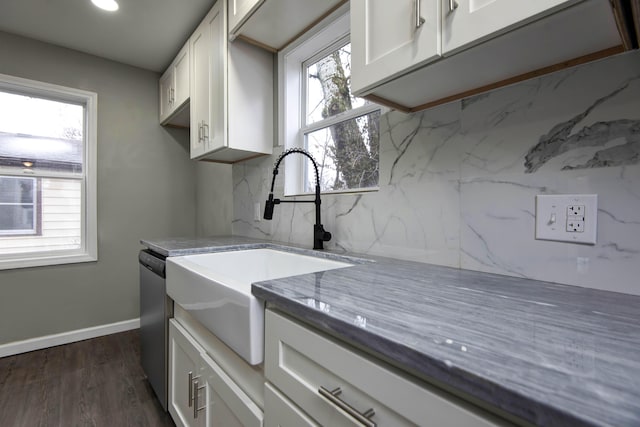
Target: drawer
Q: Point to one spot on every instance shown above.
(281, 412)
(299, 361)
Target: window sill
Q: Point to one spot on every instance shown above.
(45, 260)
(353, 191)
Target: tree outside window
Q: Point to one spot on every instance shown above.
(342, 133)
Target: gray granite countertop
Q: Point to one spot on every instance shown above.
(550, 354)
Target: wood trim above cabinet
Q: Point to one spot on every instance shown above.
(256, 43)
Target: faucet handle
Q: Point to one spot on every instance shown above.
(319, 236)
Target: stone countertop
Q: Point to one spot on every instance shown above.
(551, 354)
(177, 246)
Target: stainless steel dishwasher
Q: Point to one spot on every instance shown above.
(155, 309)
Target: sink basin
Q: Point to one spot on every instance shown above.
(215, 288)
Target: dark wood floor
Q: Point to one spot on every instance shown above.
(97, 382)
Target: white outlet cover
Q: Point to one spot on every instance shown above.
(552, 217)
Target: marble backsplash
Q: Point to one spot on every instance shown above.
(458, 182)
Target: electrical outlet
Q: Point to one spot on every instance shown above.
(576, 211)
(256, 211)
(575, 226)
(567, 218)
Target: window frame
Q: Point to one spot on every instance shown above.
(88, 251)
(329, 34)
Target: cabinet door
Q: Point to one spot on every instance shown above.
(469, 22)
(184, 376)
(199, 90)
(208, 52)
(216, 129)
(227, 405)
(240, 11)
(391, 37)
(181, 72)
(281, 412)
(166, 88)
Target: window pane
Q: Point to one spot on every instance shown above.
(42, 134)
(60, 219)
(347, 154)
(16, 218)
(17, 190)
(328, 86)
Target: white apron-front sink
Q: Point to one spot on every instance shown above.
(215, 288)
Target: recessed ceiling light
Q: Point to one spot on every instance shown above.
(110, 5)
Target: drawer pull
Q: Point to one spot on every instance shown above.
(453, 5)
(419, 19)
(190, 387)
(196, 403)
(332, 396)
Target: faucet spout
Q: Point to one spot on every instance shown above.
(319, 233)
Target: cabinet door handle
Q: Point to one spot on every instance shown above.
(196, 403)
(419, 19)
(190, 387)
(199, 132)
(173, 95)
(363, 418)
(453, 5)
(205, 133)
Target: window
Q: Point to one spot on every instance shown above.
(47, 174)
(319, 113)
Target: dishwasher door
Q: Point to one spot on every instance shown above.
(155, 310)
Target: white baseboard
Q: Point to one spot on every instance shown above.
(47, 341)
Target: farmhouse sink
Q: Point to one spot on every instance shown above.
(215, 288)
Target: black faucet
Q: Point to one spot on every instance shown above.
(319, 235)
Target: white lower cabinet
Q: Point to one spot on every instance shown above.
(185, 374)
(200, 391)
(358, 390)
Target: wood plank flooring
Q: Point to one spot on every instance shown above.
(97, 382)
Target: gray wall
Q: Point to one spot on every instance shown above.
(146, 188)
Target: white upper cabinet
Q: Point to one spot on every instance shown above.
(469, 22)
(231, 94)
(206, 70)
(471, 46)
(392, 37)
(274, 24)
(240, 11)
(174, 91)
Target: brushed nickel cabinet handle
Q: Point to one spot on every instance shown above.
(196, 403)
(190, 388)
(453, 5)
(205, 133)
(363, 418)
(419, 19)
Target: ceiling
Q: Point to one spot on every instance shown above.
(142, 33)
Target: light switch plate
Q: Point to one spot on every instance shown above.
(554, 214)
